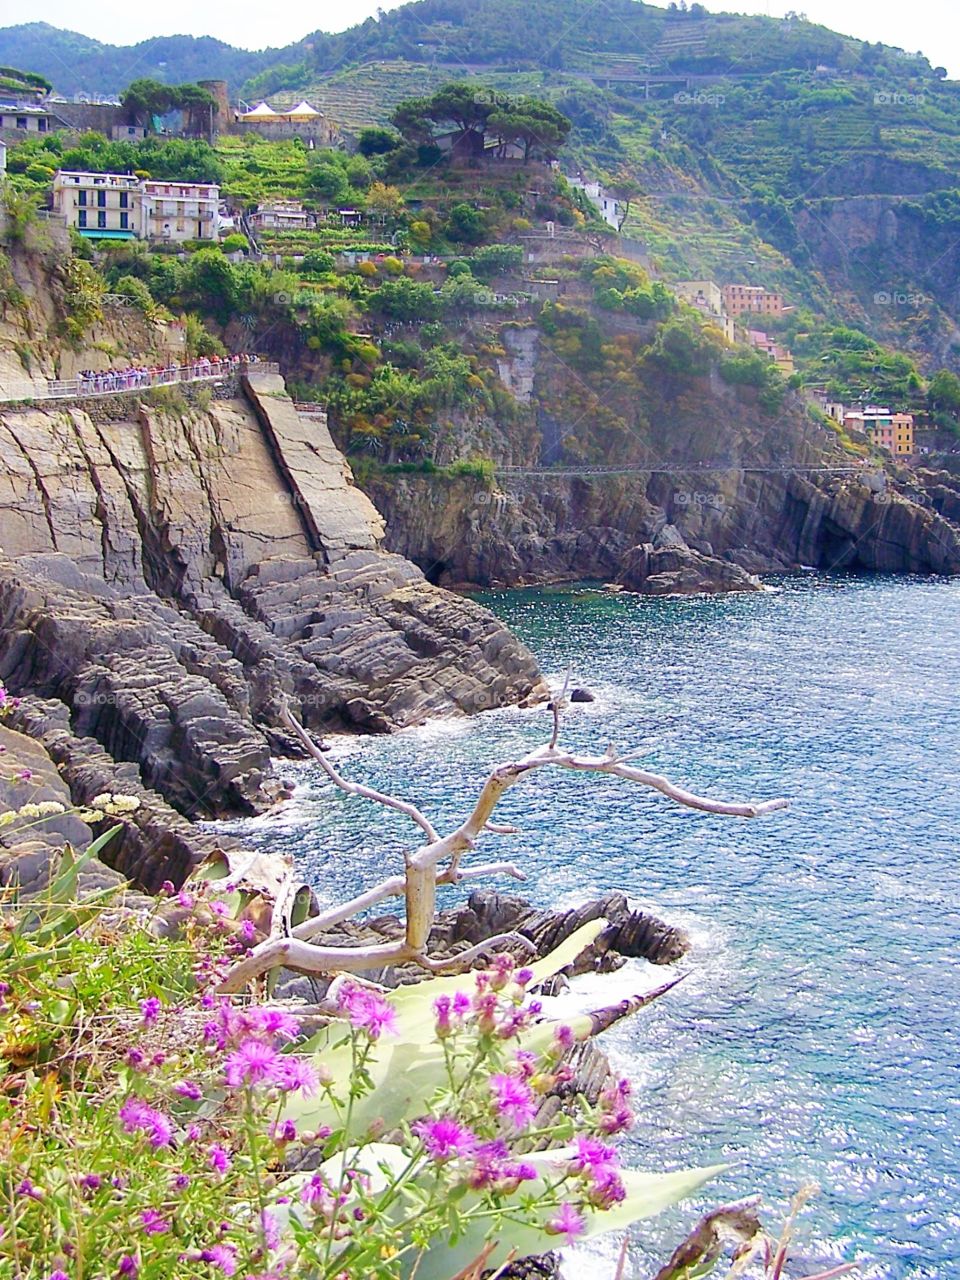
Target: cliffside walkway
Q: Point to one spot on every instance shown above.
(704, 469)
(120, 383)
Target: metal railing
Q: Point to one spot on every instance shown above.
(126, 380)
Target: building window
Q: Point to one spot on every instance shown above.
(81, 197)
(42, 124)
(102, 220)
(101, 199)
(124, 200)
(21, 122)
(124, 222)
(82, 218)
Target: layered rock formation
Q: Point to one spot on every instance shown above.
(543, 528)
(169, 574)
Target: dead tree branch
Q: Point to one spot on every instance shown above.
(438, 862)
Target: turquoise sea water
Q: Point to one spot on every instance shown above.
(818, 1035)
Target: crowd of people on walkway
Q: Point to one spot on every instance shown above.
(132, 377)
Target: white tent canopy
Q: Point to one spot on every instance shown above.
(303, 111)
(261, 112)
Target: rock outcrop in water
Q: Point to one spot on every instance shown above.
(167, 575)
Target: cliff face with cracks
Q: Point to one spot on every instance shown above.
(168, 574)
(555, 529)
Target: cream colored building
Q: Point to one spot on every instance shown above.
(701, 293)
(177, 211)
(104, 206)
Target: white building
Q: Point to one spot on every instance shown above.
(606, 205)
(280, 215)
(180, 210)
(3, 157)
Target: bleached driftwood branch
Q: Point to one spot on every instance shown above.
(438, 862)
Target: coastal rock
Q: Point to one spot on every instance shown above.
(676, 570)
(171, 577)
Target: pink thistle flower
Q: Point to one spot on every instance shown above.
(253, 1062)
(150, 1010)
(274, 1022)
(286, 1131)
(153, 1223)
(523, 977)
(461, 1004)
(186, 900)
(168, 888)
(568, 1222)
(367, 1011)
(58, 1275)
(271, 1231)
(514, 1099)
(297, 1075)
(222, 1256)
(181, 1182)
(444, 1027)
(445, 1139)
(317, 1194)
(218, 1159)
(128, 1266)
(91, 1182)
(137, 1117)
(606, 1189)
(593, 1157)
(188, 1089)
(26, 1188)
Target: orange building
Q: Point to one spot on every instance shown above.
(738, 298)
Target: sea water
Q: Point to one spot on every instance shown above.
(817, 1036)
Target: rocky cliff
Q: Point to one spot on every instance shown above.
(688, 470)
(169, 573)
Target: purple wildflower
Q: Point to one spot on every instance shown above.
(253, 1062)
(296, 1075)
(186, 900)
(271, 1231)
(286, 1131)
(568, 1222)
(168, 888)
(461, 1004)
(25, 775)
(218, 1159)
(445, 1139)
(91, 1182)
(150, 1010)
(153, 1223)
(593, 1156)
(137, 1116)
(26, 1188)
(222, 1256)
(317, 1194)
(58, 1275)
(514, 1099)
(128, 1266)
(274, 1022)
(367, 1011)
(188, 1089)
(444, 1027)
(181, 1182)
